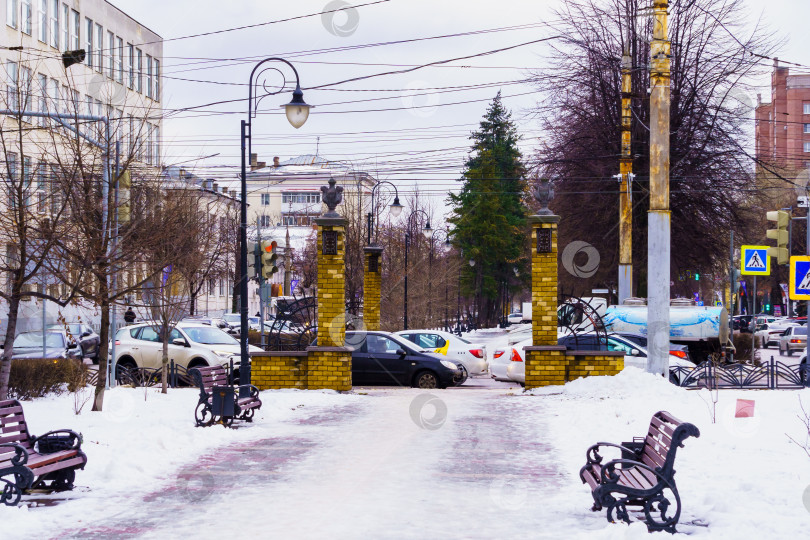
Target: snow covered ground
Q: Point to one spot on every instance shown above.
(481, 461)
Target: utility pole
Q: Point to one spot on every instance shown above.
(287, 264)
(658, 229)
(626, 189)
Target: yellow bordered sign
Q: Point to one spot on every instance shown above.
(754, 261)
(799, 277)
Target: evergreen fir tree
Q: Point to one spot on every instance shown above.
(488, 214)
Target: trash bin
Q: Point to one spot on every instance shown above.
(223, 402)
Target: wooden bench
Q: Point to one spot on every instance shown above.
(218, 395)
(644, 476)
(49, 460)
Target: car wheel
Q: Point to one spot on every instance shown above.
(426, 380)
(789, 352)
(461, 379)
(126, 370)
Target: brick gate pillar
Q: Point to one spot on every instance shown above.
(545, 361)
(330, 363)
(371, 287)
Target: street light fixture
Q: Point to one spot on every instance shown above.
(427, 231)
(395, 208)
(447, 244)
(297, 112)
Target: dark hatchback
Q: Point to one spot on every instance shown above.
(380, 358)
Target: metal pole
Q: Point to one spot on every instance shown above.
(753, 339)
(261, 285)
(807, 251)
(626, 190)
(658, 236)
(731, 293)
(244, 364)
(114, 275)
(430, 285)
(287, 266)
(44, 335)
(405, 303)
(105, 208)
(790, 252)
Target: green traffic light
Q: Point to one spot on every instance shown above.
(697, 277)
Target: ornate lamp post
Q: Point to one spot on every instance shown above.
(297, 112)
(427, 231)
(446, 234)
(395, 208)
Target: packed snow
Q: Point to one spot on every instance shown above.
(484, 460)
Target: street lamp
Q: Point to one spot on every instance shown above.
(430, 275)
(297, 112)
(427, 232)
(395, 209)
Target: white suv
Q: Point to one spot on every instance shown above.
(190, 345)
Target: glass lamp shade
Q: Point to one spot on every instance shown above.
(472, 262)
(297, 110)
(396, 208)
(427, 231)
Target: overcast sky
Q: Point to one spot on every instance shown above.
(397, 136)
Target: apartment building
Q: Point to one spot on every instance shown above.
(119, 79)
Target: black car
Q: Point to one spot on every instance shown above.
(57, 345)
(87, 339)
(742, 323)
(380, 358)
(681, 351)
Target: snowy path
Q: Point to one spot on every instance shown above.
(367, 469)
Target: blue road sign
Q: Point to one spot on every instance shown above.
(799, 288)
(754, 261)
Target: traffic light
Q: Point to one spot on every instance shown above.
(254, 267)
(269, 258)
(780, 234)
(697, 277)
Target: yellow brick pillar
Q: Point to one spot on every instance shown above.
(330, 363)
(545, 360)
(371, 287)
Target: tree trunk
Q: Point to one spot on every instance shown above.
(164, 368)
(8, 347)
(192, 304)
(103, 349)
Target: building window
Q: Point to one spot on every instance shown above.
(221, 287)
(806, 108)
(119, 64)
(264, 221)
(88, 38)
(265, 199)
(11, 13)
(26, 181)
(139, 77)
(65, 23)
(26, 17)
(130, 66)
(99, 48)
(42, 187)
(157, 80)
(212, 287)
(75, 30)
(42, 20)
(300, 198)
(807, 147)
(157, 145)
(54, 13)
(110, 55)
(42, 89)
(148, 76)
(807, 128)
(11, 84)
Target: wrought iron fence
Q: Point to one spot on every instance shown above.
(770, 375)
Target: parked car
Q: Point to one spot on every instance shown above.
(88, 340)
(769, 332)
(742, 323)
(57, 345)
(382, 358)
(473, 356)
(234, 320)
(794, 338)
(190, 345)
(634, 354)
(210, 321)
(675, 349)
(515, 318)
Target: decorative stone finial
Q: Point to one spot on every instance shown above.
(332, 196)
(543, 192)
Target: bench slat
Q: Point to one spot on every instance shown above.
(35, 461)
(66, 464)
(17, 438)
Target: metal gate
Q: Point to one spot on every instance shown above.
(771, 375)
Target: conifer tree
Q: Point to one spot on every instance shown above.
(488, 215)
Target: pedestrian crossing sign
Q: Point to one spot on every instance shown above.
(755, 261)
(799, 277)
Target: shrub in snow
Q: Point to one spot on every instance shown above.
(37, 377)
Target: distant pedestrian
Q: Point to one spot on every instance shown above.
(129, 315)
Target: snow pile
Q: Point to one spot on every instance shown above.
(739, 476)
(137, 444)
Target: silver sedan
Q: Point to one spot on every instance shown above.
(794, 338)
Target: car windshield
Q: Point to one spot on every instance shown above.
(75, 329)
(209, 336)
(30, 339)
(231, 317)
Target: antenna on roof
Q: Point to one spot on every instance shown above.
(317, 144)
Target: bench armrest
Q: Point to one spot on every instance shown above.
(593, 457)
(20, 453)
(610, 476)
(252, 390)
(67, 439)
